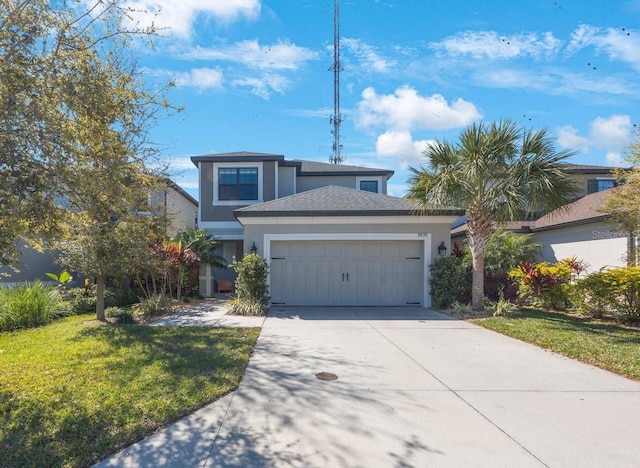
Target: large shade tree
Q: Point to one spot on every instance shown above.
(497, 172)
(75, 115)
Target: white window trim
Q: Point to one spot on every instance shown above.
(234, 165)
(369, 179)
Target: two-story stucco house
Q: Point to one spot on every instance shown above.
(330, 233)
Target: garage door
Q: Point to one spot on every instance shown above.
(346, 272)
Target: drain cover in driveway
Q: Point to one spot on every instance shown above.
(326, 376)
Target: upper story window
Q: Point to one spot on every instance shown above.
(369, 185)
(238, 183)
(599, 185)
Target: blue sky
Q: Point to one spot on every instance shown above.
(253, 75)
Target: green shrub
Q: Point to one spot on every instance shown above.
(120, 315)
(460, 307)
(29, 305)
(616, 291)
(547, 285)
(83, 301)
(449, 281)
(245, 307)
(156, 305)
(119, 297)
(502, 307)
(251, 286)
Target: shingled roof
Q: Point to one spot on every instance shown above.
(309, 168)
(336, 201)
(583, 210)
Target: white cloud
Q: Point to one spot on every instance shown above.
(179, 16)
(265, 85)
(568, 138)
(611, 132)
(201, 78)
(402, 146)
(369, 58)
(279, 56)
(618, 44)
(405, 109)
(615, 159)
(493, 46)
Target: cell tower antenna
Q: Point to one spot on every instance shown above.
(336, 118)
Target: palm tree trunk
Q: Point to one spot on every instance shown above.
(480, 229)
(477, 281)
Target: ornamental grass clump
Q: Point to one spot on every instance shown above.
(30, 305)
(252, 294)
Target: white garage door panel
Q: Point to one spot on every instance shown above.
(346, 272)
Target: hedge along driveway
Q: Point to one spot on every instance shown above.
(76, 390)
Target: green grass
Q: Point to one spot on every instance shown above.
(603, 344)
(77, 390)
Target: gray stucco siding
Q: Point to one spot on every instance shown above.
(598, 244)
(286, 181)
(210, 212)
(438, 231)
(306, 183)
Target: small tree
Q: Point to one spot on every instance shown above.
(252, 294)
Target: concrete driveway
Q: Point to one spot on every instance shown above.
(413, 388)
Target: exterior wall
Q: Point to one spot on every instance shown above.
(439, 231)
(286, 181)
(582, 181)
(269, 181)
(181, 211)
(33, 266)
(597, 244)
(224, 212)
(306, 183)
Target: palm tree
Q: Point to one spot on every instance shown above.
(203, 245)
(497, 172)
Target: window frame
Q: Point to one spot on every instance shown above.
(377, 180)
(596, 183)
(236, 165)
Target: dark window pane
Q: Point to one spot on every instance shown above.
(228, 176)
(228, 192)
(248, 192)
(238, 184)
(249, 176)
(369, 185)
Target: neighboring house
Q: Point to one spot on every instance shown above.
(179, 208)
(329, 233)
(181, 211)
(591, 179)
(578, 230)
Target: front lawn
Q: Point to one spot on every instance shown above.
(603, 344)
(77, 390)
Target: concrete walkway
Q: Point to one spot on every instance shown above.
(414, 389)
(209, 313)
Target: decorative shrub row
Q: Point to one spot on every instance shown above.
(615, 291)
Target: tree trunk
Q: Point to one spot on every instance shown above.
(480, 229)
(477, 281)
(100, 283)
